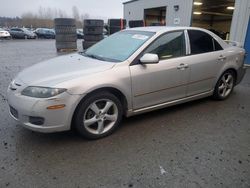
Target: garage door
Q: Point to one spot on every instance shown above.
(247, 43)
(214, 15)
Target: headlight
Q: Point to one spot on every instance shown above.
(42, 92)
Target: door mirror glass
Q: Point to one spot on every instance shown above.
(149, 58)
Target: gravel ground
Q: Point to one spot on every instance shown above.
(204, 143)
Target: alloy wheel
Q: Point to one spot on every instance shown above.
(226, 85)
(100, 116)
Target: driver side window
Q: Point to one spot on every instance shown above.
(169, 45)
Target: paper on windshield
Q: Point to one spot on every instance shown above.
(140, 37)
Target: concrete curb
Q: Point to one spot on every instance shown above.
(247, 66)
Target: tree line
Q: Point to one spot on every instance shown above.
(43, 18)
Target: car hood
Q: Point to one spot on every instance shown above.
(52, 72)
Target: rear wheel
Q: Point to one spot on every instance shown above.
(224, 86)
(98, 115)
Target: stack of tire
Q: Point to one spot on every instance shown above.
(116, 25)
(93, 32)
(66, 37)
(136, 23)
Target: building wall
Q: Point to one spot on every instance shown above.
(135, 10)
(240, 20)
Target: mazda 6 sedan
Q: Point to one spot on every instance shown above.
(131, 72)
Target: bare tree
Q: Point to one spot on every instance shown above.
(62, 14)
(76, 14)
(84, 16)
(44, 17)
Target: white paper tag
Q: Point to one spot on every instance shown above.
(140, 37)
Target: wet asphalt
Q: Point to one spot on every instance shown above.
(204, 143)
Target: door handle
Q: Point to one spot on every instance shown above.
(182, 66)
(222, 57)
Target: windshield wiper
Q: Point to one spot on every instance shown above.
(93, 56)
(98, 57)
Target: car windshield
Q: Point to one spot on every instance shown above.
(1, 29)
(119, 47)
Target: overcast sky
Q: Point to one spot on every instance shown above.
(95, 8)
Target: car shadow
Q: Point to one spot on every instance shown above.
(166, 111)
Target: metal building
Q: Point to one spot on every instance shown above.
(227, 18)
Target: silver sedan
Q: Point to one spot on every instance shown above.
(131, 72)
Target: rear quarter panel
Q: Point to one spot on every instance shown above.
(234, 60)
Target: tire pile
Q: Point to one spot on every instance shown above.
(136, 23)
(66, 36)
(93, 32)
(116, 25)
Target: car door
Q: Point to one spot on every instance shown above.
(206, 59)
(18, 33)
(14, 33)
(165, 81)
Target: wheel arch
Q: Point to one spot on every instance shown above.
(111, 90)
(232, 70)
(225, 70)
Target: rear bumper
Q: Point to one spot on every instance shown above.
(240, 74)
(4, 36)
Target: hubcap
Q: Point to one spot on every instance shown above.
(226, 85)
(100, 116)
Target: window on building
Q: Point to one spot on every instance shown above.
(169, 45)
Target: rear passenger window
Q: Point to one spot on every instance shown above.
(200, 42)
(217, 46)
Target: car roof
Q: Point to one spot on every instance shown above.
(157, 29)
(163, 29)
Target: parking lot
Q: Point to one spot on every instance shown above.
(204, 143)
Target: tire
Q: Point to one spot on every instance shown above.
(64, 22)
(66, 38)
(88, 44)
(92, 30)
(93, 37)
(91, 22)
(98, 115)
(225, 85)
(114, 29)
(117, 22)
(66, 45)
(68, 30)
(136, 23)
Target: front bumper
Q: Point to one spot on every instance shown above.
(23, 108)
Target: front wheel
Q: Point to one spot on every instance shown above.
(98, 115)
(224, 86)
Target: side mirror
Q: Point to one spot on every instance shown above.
(149, 59)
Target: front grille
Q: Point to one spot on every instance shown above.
(14, 112)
